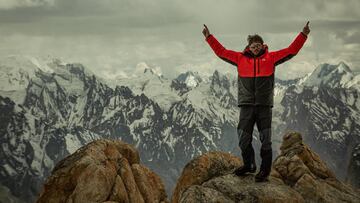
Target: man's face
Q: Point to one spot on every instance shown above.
(255, 48)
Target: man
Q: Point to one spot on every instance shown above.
(256, 68)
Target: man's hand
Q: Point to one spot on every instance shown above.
(206, 31)
(306, 29)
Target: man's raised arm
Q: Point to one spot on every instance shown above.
(285, 54)
(227, 55)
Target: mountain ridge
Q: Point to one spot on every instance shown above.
(70, 107)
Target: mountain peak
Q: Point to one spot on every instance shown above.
(32, 63)
(143, 68)
(342, 66)
(219, 79)
(190, 78)
(330, 75)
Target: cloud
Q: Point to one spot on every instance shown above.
(349, 37)
(12, 4)
(111, 35)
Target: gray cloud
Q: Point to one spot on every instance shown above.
(11, 4)
(168, 33)
(349, 37)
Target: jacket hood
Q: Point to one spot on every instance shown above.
(248, 53)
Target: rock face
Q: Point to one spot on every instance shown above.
(204, 168)
(103, 171)
(304, 171)
(353, 174)
(298, 175)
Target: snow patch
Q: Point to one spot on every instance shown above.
(72, 143)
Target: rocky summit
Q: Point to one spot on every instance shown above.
(298, 175)
(103, 171)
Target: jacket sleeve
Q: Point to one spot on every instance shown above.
(226, 55)
(285, 54)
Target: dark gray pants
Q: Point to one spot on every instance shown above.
(262, 116)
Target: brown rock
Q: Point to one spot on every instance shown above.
(209, 178)
(303, 170)
(102, 171)
(149, 183)
(129, 182)
(119, 193)
(129, 152)
(232, 189)
(204, 168)
(298, 175)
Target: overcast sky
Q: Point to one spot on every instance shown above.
(112, 36)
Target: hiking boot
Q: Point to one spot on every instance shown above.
(242, 170)
(262, 176)
(265, 167)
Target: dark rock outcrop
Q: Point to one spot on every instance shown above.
(298, 175)
(353, 173)
(103, 171)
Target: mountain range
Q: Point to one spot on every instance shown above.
(50, 108)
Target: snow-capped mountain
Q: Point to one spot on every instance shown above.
(148, 81)
(325, 108)
(65, 106)
(190, 79)
(331, 75)
(15, 73)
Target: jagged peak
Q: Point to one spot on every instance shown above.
(215, 76)
(44, 63)
(190, 73)
(343, 66)
(143, 68)
(226, 75)
(17, 63)
(190, 78)
(220, 78)
(333, 75)
(47, 64)
(325, 68)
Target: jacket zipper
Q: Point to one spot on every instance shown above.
(254, 67)
(258, 66)
(254, 78)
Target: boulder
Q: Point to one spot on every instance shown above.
(202, 169)
(103, 171)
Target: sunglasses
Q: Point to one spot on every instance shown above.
(254, 46)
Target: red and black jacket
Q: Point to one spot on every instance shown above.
(256, 73)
